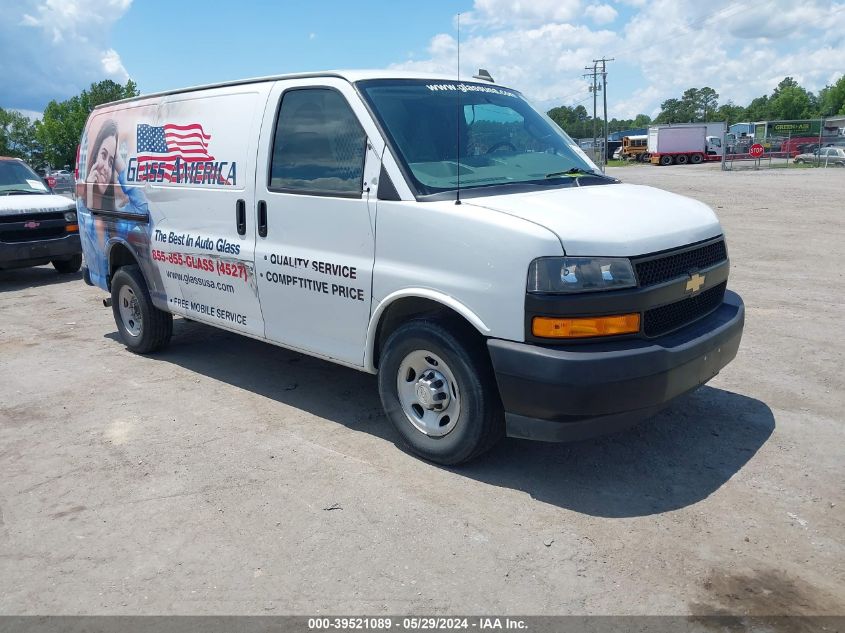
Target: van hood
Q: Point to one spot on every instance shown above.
(35, 203)
(615, 220)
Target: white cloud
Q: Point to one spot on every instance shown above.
(794, 21)
(540, 60)
(641, 101)
(112, 65)
(510, 13)
(741, 49)
(52, 49)
(72, 18)
(601, 13)
(32, 115)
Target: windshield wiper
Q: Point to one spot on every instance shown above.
(577, 171)
(16, 192)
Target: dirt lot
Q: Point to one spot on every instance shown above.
(229, 476)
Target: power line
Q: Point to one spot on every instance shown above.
(603, 61)
(593, 89)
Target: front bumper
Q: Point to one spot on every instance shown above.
(38, 252)
(580, 391)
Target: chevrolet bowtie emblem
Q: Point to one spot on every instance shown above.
(695, 282)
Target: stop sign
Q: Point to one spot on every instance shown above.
(756, 150)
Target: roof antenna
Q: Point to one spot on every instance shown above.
(483, 75)
(458, 119)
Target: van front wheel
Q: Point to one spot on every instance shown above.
(143, 327)
(439, 392)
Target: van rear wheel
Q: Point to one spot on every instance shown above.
(439, 392)
(143, 327)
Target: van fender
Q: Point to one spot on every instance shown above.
(418, 293)
(151, 276)
(110, 246)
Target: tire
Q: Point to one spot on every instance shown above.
(143, 327)
(696, 159)
(67, 266)
(682, 159)
(429, 353)
(798, 161)
(666, 160)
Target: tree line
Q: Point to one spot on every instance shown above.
(579, 124)
(696, 105)
(52, 140)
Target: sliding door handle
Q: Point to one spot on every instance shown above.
(240, 216)
(262, 218)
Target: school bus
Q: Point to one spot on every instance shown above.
(634, 147)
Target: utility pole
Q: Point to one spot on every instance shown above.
(604, 97)
(593, 89)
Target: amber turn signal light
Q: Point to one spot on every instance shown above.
(582, 327)
(72, 228)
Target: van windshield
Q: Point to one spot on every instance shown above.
(491, 134)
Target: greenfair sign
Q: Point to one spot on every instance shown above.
(794, 128)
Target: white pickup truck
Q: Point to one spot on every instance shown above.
(36, 226)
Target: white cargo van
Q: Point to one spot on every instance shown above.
(445, 235)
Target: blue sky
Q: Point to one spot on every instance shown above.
(51, 49)
(266, 37)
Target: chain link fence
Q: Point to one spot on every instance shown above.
(786, 145)
(599, 152)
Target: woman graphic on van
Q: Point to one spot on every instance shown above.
(105, 181)
(101, 168)
(104, 189)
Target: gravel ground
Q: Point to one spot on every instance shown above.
(228, 476)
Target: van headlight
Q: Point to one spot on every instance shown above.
(70, 216)
(580, 274)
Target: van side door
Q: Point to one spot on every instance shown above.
(199, 159)
(315, 245)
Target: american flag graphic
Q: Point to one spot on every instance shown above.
(166, 143)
